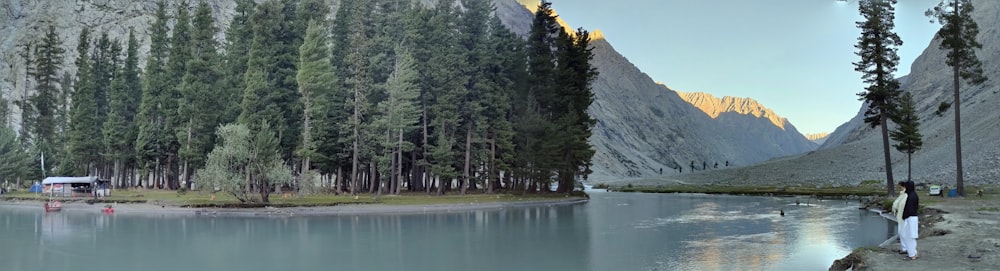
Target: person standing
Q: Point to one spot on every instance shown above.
(910, 230)
(897, 211)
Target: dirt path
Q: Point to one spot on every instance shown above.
(955, 234)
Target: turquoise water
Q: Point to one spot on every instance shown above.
(614, 231)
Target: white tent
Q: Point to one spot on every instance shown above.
(70, 186)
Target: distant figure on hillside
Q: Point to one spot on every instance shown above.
(692, 166)
(680, 169)
(661, 171)
(716, 165)
(782, 212)
(704, 165)
(727, 163)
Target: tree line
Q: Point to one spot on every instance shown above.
(385, 97)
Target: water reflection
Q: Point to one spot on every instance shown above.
(612, 232)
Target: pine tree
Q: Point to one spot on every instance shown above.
(48, 62)
(536, 125)
(958, 37)
(198, 96)
(15, 163)
(877, 48)
(445, 87)
(180, 54)
(239, 36)
(116, 127)
(474, 34)
(152, 136)
(316, 80)
(274, 52)
(505, 71)
(398, 115)
(103, 59)
(574, 76)
(84, 140)
(907, 135)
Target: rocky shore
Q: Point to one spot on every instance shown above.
(955, 234)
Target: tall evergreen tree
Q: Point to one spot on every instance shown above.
(505, 70)
(359, 82)
(116, 128)
(536, 116)
(85, 139)
(180, 54)
(15, 163)
(198, 96)
(239, 37)
(474, 27)
(152, 135)
(445, 88)
(48, 62)
(103, 60)
(574, 76)
(907, 135)
(877, 48)
(274, 52)
(316, 79)
(958, 38)
(399, 115)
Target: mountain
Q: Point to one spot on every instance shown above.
(818, 138)
(744, 106)
(853, 152)
(642, 127)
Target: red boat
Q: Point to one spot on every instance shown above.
(53, 206)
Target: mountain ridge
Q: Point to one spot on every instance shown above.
(714, 106)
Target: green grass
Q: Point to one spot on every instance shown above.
(988, 209)
(204, 199)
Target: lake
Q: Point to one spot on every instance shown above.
(613, 231)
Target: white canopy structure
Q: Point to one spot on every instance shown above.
(75, 186)
(65, 180)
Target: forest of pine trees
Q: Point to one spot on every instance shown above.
(387, 96)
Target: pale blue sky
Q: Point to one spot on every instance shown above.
(794, 56)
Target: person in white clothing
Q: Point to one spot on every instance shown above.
(910, 230)
(897, 211)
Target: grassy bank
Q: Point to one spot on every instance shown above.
(198, 199)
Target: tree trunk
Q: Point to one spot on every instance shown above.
(468, 160)
(397, 165)
(888, 160)
(374, 181)
(492, 172)
(959, 178)
(354, 163)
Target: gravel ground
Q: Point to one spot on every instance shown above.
(962, 236)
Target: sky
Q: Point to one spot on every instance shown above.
(793, 56)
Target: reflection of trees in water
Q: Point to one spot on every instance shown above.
(67, 225)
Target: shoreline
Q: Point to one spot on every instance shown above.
(955, 234)
(336, 210)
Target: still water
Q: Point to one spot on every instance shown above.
(614, 231)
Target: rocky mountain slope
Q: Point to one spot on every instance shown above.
(854, 151)
(642, 127)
